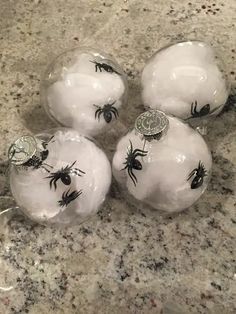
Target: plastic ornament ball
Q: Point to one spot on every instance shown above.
(187, 80)
(58, 177)
(163, 162)
(84, 89)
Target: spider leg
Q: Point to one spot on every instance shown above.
(72, 193)
(61, 203)
(45, 144)
(50, 139)
(139, 154)
(215, 109)
(66, 194)
(116, 72)
(71, 166)
(128, 151)
(77, 172)
(55, 183)
(113, 109)
(115, 112)
(191, 174)
(131, 146)
(50, 183)
(132, 176)
(96, 113)
(99, 113)
(63, 195)
(77, 169)
(144, 144)
(192, 111)
(42, 166)
(51, 175)
(52, 179)
(124, 167)
(140, 151)
(77, 194)
(195, 107)
(48, 165)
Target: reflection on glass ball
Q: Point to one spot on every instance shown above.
(169, 171)
(187, 80)
(84, 89)
(58, 177)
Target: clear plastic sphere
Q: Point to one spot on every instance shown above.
(58, 177)
(187, 80)
(84, 89)
(169, 171)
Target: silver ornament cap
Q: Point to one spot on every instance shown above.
(22, 150)
(152, 124)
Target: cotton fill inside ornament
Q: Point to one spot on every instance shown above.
(163, 162)
(58, 177)
(187, 80)
(84, 89)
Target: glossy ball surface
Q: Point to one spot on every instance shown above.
(187, 80)
(173, 172)
(84, 89)
(69, 186)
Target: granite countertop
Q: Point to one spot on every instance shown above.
(126, 259)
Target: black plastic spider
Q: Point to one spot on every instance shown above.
(103, 66)
(64, 175)
(132, 163)
(38, 162)
(68, 197)
(199, 173)
(107, 111)
(205, 110)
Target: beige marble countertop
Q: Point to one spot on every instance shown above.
(126, 259)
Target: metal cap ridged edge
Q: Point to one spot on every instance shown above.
(24, 148)
(151, 123)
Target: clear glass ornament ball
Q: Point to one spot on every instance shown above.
(162, 162)
(84, 89)
(58, 177)
(188, 80)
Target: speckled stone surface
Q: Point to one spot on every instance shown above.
(126, 259)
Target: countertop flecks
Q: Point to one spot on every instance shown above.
(126, 259)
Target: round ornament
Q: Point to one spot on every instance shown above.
(168, 170)
(84, 89)
(58, 177)
(187, 80)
